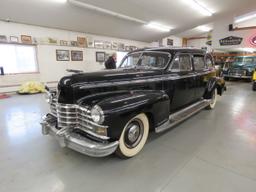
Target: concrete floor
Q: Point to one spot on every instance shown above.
(214, 151)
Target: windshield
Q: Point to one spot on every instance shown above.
(157, 60)
(244, 61)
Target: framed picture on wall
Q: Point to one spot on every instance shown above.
(63, 43)
(82, 42)
(100, 56)
(76, 55)
(169, 42)
(114, 45)
(62, 55)
(14, 39)
(99, 44)
(74, 43)
(26, 39)
(90, 42)
(52, 41)
(107, 45)
(121, 47)
(3, 38)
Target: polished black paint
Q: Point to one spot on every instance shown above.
(124, 93)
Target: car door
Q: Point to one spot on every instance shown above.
(181, 83)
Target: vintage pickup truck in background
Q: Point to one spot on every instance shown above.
(110, 111)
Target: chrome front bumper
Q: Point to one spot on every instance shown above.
(75, 141)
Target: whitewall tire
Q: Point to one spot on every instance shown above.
(133, 137)
(213, 100)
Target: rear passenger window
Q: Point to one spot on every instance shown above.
(181, 63)
(199, 62)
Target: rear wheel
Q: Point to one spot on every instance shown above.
(133, 137)
(213, 100)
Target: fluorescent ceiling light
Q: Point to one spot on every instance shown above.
(158, 27)
(199, 6)
(245, 17)
(203, 28)
(59, 1)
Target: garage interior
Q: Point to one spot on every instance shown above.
(45, 40)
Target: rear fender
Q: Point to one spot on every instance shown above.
(212, 84)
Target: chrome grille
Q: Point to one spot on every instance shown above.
(72, 116)
(237, 72)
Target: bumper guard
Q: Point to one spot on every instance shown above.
(75, 141)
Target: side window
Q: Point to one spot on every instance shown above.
(185, 63)
(181, 63)
(199, 62)
(209, 62)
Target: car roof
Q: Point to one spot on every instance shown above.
(172, 50)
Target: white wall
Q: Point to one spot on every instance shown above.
(177, 41)
(199, 43)
(221, 31)
(51, 70)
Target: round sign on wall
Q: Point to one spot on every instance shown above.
(253, 40)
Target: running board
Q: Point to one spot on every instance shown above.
(182, 115)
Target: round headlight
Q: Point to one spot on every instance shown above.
(97, 114)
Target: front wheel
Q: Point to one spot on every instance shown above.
(133, 137)
(213, 100)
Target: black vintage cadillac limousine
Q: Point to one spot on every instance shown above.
(110, 111)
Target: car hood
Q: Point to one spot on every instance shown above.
(106, 75)
(79, 85)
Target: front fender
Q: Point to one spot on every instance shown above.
(118, 110)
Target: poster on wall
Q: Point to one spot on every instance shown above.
(231, 40)
(62, 55)
(76, 55)
(169, 42)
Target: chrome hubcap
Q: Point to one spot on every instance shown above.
(133, 133)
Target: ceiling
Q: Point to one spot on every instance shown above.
(176, 14)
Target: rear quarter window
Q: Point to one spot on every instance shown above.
(199, 62)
